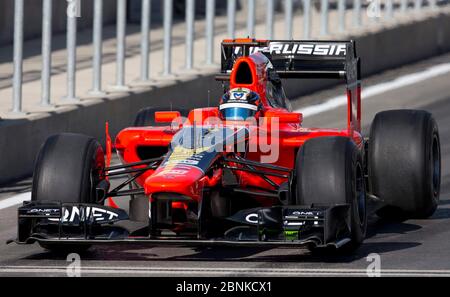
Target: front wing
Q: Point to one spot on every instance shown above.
(277, 226)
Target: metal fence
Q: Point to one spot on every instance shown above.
(380, 11)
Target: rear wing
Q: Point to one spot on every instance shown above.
(304, 59)
(297, 58)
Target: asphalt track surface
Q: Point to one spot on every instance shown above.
(409, 248)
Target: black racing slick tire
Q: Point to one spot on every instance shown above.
(330, 171)
(146, 116)
(405, 163)
(67, 169)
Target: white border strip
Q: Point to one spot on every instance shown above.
(399, 82)
(221, 271)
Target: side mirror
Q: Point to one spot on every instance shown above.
(291, 118)
(166, 116)
(286, 117)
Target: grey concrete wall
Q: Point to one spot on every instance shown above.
(404, 44)
(21, 139)
(33, 17)
(389, 48)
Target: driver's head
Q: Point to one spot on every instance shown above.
(239, 104)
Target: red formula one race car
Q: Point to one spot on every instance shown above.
(244, 173)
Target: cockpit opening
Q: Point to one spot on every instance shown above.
(244, 74)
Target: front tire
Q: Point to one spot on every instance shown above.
(330, 171)
(405, 163)
(67, 169)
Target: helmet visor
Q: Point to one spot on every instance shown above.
(237, 111)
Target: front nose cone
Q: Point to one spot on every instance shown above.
(180, 179)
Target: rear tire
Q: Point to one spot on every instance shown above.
(330, 171)
(146, 116)
(67, 169)
(405, 163)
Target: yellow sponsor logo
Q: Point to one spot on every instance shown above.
(186, 156)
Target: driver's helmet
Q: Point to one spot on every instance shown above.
(239, 104)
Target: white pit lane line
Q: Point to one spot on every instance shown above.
(399, 82)
(218, 271)
(14, 200)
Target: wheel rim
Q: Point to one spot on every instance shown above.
(436, 167)
(360, 194)
(96, 173)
